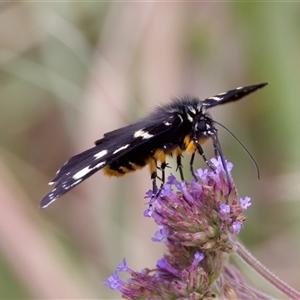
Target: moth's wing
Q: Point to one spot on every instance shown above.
(232, 95)
(111, 147)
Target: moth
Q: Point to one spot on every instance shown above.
(170, 130)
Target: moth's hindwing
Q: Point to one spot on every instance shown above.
(120, 151)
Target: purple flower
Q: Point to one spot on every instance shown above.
(149, 194)
(164, 265)
(217, 162)
(197, 258)
(123, 266)
(160, 235)
(148, 212)
(224, 209)
(172, 180)
(196, 223)
(236, 227)
(245, 203)
(114, 281)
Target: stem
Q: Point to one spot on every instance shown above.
(265, 273)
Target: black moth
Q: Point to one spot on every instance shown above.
(181, 126)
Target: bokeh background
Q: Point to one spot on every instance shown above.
(72, 71)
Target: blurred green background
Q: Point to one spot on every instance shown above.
(75, 70)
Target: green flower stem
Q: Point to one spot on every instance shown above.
(267, 274)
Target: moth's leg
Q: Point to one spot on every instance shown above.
(201, 152)
(159, 155)
(216, 151)
(162, 167)
(163, 173)
(179, 166)
(153, 178)
(220, 152)
(192, 166)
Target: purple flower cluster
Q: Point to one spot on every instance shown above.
(197, 222)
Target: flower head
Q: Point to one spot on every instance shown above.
(197, 223)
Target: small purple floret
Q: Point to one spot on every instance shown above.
(114, 281)
(224, 209)
(123, 266)
(236, 227)
(245, 203)
(148, 212)
(164, 264)
(160, 235)
(197, 258)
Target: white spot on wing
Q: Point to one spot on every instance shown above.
(143, 134)
(52, 199)
(167, 123)
(121, 148)
(76, 182)
(81, 173)
(99, 165)
(215, 98)
(100, 154)
(87, 170)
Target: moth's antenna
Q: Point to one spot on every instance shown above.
(244, 148)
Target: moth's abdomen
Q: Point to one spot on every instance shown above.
(118, 169)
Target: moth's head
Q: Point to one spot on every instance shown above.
(203, 125)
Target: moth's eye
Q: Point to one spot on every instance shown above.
(201, 126)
